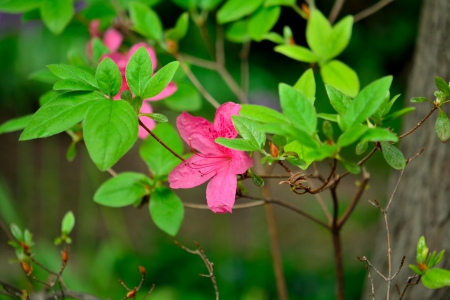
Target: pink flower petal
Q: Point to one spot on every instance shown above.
(150, 51)
(146, 109)
(93, 28)
(222, 121)
(240, 162)
(221, 192)
(120, 60)
(198, 133)
(112, 39)
(186, 176)
(168, 91)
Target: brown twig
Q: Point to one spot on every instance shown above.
(284, 166)
(245, 67)
(335, 10)
(324, 184)
(321, 203)
(200, 62)
(371, 282)
(209, 265)
(418, 124)
(112, 172)
(371, 10)
(5, 229)
(159, 141)
(409, 283)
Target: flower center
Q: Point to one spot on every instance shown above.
(210, 163)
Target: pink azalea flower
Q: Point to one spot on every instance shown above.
(112, 38)
(213, 162)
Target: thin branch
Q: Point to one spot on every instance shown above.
(333, 169)
(371, 283)
(409, 283)
(5, 229)
(371, 10)
(112, 172)
(159, 141)
(244, 67)
(209, 265)
(321, 203)
(364, 259)
(418, 124)
(361, 161)
(195, 81)
(285, 167)
(399, 268)
(200, 62)
(335, 10)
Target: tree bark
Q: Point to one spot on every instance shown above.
(422, 203)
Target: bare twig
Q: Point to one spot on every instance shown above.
(371, 283)
(335, 10)
(318, 190)
(409, 283)
(209, 265)
(418, 124)
(371, 10)
(321, 203)
(364, 259)
(5, 229)
(200, 62)
(112, 172)
(244, 66)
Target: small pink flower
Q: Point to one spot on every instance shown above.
(213, 161)
(112, 38)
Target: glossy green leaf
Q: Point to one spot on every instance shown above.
(125, 189)
(166, 210)
(436, 278)
(399, 114)
(318, 30)
(159, 159)
(145, 21)
(442, 126)
(109, 78)
(60, 114)
(181, 26)
(237, 32)
(46, 97)
(393, 156)
(258, 181)
(339, 37)
(299, 110)
(157, 117)
(351, 135)
(44, 76)
(274, 37)
(340, 76)
(16, 232)
(249, 130)
(281, 129)
(416, 269)
(361, 147)
(262, 21)
(338, 100)
(209, 4)
(235, 9)
(72, 85)
(139, 71)
(421, 246)
(303, 152)
(67, 223)
(419, 99)
(307, 85)
(98, 49)
(18, 6)
(439, 258)
(110, 129)
(15, 124)
(279, 2)
(367, 102)
(351, 167)
(262, 114)
(185, 98)
(442, 85)
(297, 52)
(237, 144)
(160, 80)
(56, 14)
(328, 117)
(73, 73)
(327, 129)
(385, 108)
(279, 140)
(379, 135)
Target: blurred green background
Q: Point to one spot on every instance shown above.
(38, 185)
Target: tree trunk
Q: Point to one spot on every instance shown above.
(422, 203)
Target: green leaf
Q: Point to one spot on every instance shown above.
(361, 147)
(185, 98)
(393, 156)
(237, 32)
(318, 31)
(340, 76)
(46, 97)
(28, 237)
(16, 232)
(338, 100)
(72, 85)
(279, 2)
(235, 9)
(385, 108)
(125, 189)
(56, 14)
(249, 130)
(367, 102)
(15, 124)
(159, 159)
(351, 167)
(297, 52)
(98, 49)
(71, 152)
(328, 117)
(108, 77)
(67, 223)
(436, 278)
(258, 181)
(237, 144)
(209, 4)
(298, 108)
(324, 151)
(442, 126)
(327, 129)
(274, 37)
(186, 4)
(339, 37)
(419, 99)
(416, 269)
(398, 114)
(379, 135)
(44, 76)
(18, 6)
(262, 21)
(281, 129)
(181, 26)
(442, 85)
(110, 129)
(351, 135)
(139, 72)
(307, 85)
(145, 21)
(160, 80)
(73, 73)
(439, 258)
(279, 140)
(421, 246)
(60, 114)
(304, 153)
(262, 114)
(166, 210)
(157, 117)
